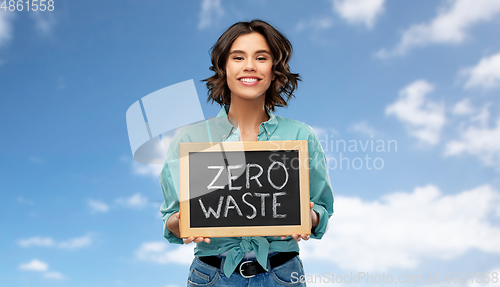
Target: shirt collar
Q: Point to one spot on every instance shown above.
(269, 126)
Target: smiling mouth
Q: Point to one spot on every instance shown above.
(248, 80)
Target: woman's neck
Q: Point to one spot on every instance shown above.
(247, 115)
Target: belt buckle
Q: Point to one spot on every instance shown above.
(241, 270)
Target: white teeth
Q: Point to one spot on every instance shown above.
(249, 80)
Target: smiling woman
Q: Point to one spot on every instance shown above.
(251, 78)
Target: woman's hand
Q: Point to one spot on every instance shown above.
(313, 223)
(173, 224)
(196, 239)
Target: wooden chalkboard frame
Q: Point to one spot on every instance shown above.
(292, 145)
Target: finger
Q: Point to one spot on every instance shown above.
(296, 237)
(305, 236)
(207, 239)
(188, 240)
(198, 239)
(283, 237)
(311, 204)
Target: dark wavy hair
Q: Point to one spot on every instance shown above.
(285, 82)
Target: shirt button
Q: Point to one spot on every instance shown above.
(262, 124)
(269, 133)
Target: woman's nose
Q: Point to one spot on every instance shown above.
(249, 66)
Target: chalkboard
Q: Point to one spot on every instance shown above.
(258, 188)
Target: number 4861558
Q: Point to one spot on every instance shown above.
(28, 5)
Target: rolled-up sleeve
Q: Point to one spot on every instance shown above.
(169, 178)
(320, 189)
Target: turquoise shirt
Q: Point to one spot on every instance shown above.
(219, 129)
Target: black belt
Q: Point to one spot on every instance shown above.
(250, 268)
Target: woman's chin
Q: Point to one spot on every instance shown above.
(248, 97)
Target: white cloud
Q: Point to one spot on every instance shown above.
(34, 265)
(40, 266)
(162, 253)
(316, 24)
(150, 170)
(136, 201)
(448, 27)
(36, 241)
(44, 22)
(362, 127)
(5, 27)
(359, 11)
(73, 243)
(402, 229)
(211, 11)
(54, 275)
(482, 118)
(486, 74)
(97, 206)
(478, 139)
(423, 118)
(464, 107)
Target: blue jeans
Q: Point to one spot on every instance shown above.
(287, 274)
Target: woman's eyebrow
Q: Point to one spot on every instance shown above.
(237, 52)
(243, 52)
(263, 51)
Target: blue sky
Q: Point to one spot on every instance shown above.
(78, 211)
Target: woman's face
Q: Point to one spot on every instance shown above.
(249, 67)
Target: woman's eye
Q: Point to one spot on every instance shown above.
(238, 58)
(261, 58)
